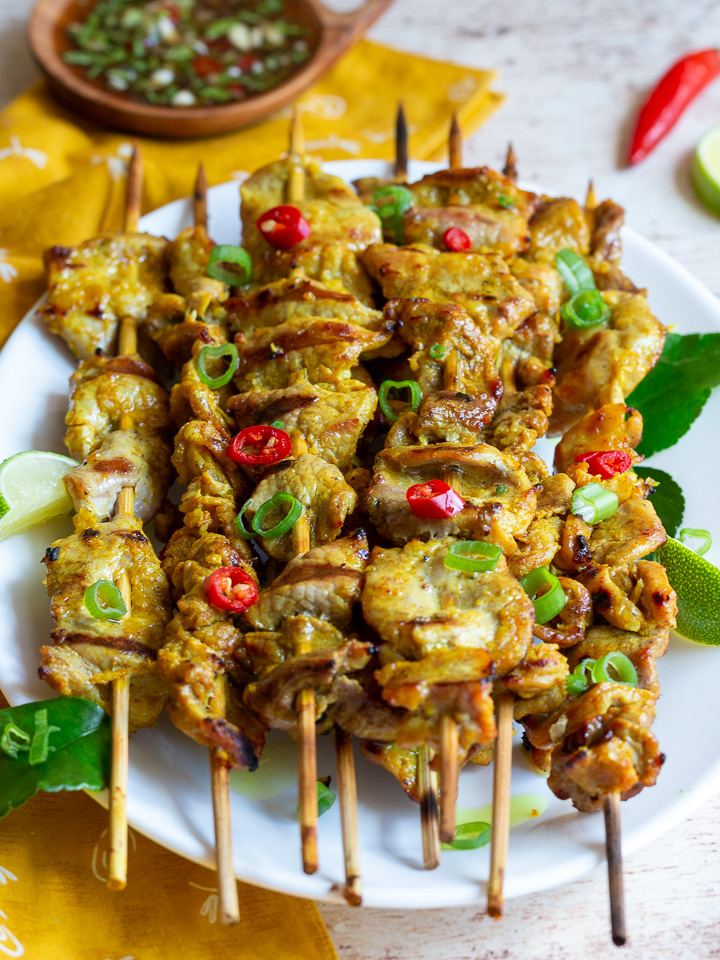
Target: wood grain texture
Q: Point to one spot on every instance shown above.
(574, 74)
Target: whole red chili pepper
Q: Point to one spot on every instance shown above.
(457, 240)
(434, 500)
(283, 227)
(230, 588)
(605, 463)
(662, 109)
(271, 446)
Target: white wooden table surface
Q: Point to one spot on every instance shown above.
(574, 72)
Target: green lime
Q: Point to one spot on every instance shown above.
(32, 490)
(705, 171)
(697, 584)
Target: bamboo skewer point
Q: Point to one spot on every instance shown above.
(401, 146)
(611, 810)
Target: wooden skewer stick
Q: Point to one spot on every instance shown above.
(117, 864)
(591, 198)
(219, 770)
(510, 168)
(611, 809)
(401, 146)
(500, 829)
(347, 792)
(455, 144)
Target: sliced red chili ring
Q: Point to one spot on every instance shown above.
(230, 588)
(457, 240)
(283, 227)
(434, 500)
(271, 446)
(605, 463)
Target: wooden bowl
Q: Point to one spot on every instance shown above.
(329, 36)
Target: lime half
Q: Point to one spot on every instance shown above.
(705, 170)
(32, 490)
(697, 584)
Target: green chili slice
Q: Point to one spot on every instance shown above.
(547, 602)
(14, 740)
(585, 309)
(624, 670)
(470, 836)
(472, 556)
(40, 746)
(594, 503)
(390, 203)
(104, 601)
(576, 274)
(696, 534)
(388, 385)
(227, 253)
(228, 350)
(288, 521)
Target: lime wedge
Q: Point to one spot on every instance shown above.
(697, 584)
(32, 490)
(705, 171)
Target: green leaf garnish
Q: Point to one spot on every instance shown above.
(672, 395)
(71, 739)
(668, 498)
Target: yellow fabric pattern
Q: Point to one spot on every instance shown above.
(62, 181)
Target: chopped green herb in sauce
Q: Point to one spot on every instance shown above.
(188, 53)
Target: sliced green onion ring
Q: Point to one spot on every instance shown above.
(594, 503)
(227, 253)
(104, 601)
(696, 534)
(622, 665)
(390, 203)
(584, 309)
(438, 351)
(278, 424)
(383, 396)
(287, 522)
(579, 680)
(240, 523)
(470, 836)
(550, 602)
(472, 556)
(576, 274)
(40, 746)
(14, 740)
(228, 350)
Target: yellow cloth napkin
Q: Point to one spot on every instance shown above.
(62, 181)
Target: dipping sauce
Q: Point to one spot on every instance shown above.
(188, 53)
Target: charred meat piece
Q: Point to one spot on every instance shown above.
(89, 654)
(320, 488)
(176, 329)
(480, 283)
(499, 498)
(418, 605)
(188, 257)
(94, 285)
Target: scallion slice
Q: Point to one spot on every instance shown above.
(584, 309)
(437, 351)
(472, 556)
(696, 534)
(228, 350)
(594, 503)
(470, 836)
(388, 385)
(547, 602)
(390, 203)
(287, 522)
(240, 523)
(227, 253)
(104, 601)
(579, 680)
(14, 740)
(576, 274)
(40, 746)
(624, 670)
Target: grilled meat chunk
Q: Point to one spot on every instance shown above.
(123, 459)
(603, 364)
(330, 419)
(89, 654)
(418, 605)
(188, 257)
(320, 488)
(612, 427)
(630, 534)
(92, 286)
(176, 329)
(499, 498)
(480, 283)
(326, 582)
(558, 223)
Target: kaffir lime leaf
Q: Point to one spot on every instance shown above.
(697, 584)
(705, 170)
(32, 490)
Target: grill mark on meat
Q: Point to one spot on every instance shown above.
(325, 572)
(89, 534)
(51, 555)
(123, 644)
(117, 465)
(239, 748)
(134, 535)
(601, 600)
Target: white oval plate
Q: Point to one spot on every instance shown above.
(169, 789)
